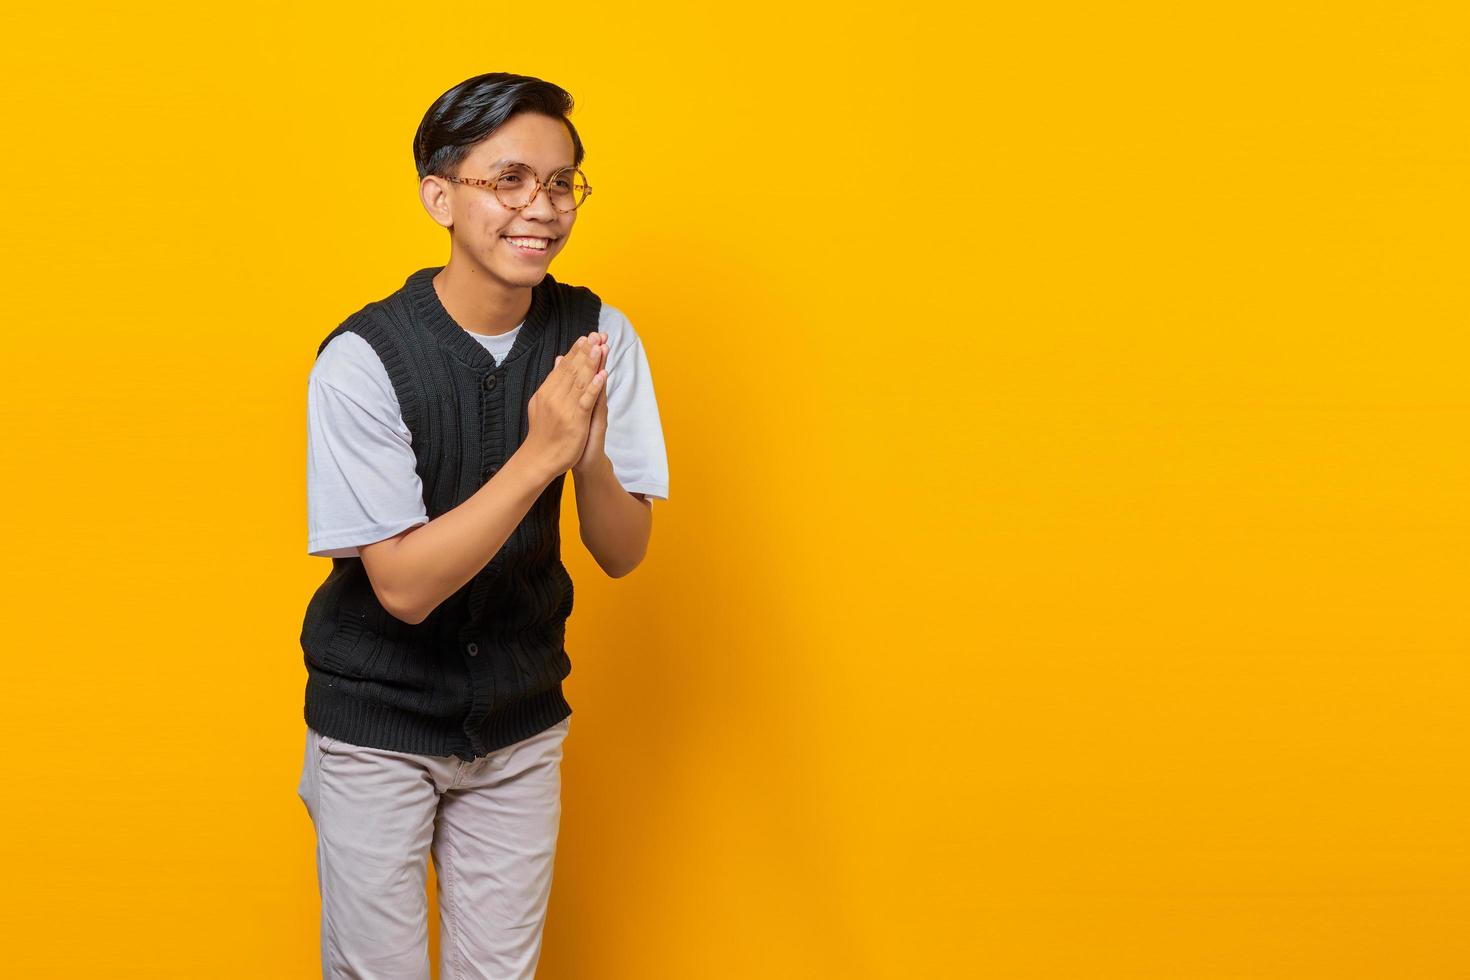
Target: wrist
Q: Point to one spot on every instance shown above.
(531, 465)
(596, 466)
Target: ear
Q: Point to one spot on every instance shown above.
(435, 195)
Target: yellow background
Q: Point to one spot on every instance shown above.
(1064, 573)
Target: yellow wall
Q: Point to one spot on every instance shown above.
(1064, 575)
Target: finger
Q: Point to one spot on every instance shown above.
(599, 409)
(563, 370)
(595, 360)
(588, 401)
(585, 364)
(563, 357)
(575, 371)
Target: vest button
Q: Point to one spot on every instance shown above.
(473, 649)
(489, 382)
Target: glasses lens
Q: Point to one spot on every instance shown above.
(514, 187)
(567, 188)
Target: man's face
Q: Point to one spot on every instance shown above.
(481, 224)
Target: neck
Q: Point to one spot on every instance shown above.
(479, 302)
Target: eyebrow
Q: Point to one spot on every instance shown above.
(504, 163)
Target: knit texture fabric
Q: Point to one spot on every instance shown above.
(484, 669)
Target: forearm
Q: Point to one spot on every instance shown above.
(614, 525)
(433, 561)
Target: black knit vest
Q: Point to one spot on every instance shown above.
(485, 668)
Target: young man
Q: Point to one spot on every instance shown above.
(443, 420)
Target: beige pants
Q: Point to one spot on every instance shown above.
(491, 826)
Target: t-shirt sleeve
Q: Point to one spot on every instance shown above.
(362, 484)
(635, 439)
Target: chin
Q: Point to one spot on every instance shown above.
(522, 274)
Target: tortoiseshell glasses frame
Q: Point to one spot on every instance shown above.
(490, 183)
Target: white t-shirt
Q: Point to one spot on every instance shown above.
(361, 482)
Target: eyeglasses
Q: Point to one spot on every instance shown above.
(517, 187)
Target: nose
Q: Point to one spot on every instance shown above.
(541, 206)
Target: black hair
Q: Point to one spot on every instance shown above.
(478, 106)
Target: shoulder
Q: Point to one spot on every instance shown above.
(349, 364)
(379, 325)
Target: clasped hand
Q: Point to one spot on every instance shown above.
(567, 415)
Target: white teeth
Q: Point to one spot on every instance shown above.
(529, 242)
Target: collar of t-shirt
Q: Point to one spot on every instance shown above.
(498, 345)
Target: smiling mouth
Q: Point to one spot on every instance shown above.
(528, 245)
